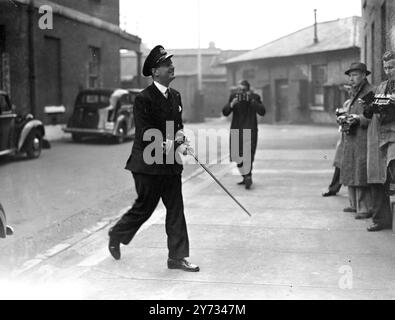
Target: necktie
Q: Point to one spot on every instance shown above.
(167, 93)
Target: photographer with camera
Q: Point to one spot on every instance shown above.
(245, 105)
(381, 145)
(353, 170)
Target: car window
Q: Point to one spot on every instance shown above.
(95, 99)
(4, 106)
(125, 100)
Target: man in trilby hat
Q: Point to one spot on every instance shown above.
(157, 114)
(353, 167)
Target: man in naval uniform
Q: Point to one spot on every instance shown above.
(157, 109)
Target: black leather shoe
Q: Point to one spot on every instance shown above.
(182, 264)
(242, 182)
(361, 216)
(377, 227)
(348, 209)
(9, 231)
(248, 182)
(114, 247)
(329, 194)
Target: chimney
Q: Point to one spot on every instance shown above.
(315, 27)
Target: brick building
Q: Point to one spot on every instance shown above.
(46, 65)
(378, 34)
(301, 75)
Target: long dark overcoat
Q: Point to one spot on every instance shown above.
(244, 117)
(353, 170)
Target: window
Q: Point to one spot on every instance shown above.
(94, 68)
(249, 74)
(383, 34)
(2, 38)
(4, 104)
(2, 49)
(95, 99)
(319, 78)
(372, 46)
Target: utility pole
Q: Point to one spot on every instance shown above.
(315, 27)
(199, 52)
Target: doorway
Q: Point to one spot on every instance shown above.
(52, 72)
(282, 100)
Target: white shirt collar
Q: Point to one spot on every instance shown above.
(161, 88)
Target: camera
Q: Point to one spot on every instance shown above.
(242, 95)
(379, 104)
(347, 121)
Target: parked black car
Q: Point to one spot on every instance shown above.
(5, 230)
(19, 133)
(103, 112)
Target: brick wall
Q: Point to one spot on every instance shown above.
(381, 37)
(15, 20)
(74, 39)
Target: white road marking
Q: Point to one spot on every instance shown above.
(235, 171)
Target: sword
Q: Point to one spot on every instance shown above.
(216, 180)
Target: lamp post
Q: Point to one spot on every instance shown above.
(199, 100)
(199, 51)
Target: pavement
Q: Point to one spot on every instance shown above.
(296, 245)
(70, 188)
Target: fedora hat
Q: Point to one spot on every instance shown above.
(358, 66)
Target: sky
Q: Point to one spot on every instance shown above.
(230, 24)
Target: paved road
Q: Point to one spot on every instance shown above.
(71, 186)
(297, 245)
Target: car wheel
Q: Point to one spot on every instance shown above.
(121, 134)
(34, 144)
(76, 137)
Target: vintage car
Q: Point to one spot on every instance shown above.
(19, 134)
(5, 230)
(103, 112)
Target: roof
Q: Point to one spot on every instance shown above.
(332, 35)
(194, 52)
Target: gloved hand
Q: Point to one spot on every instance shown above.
(185, 147)
(368, 111)
(354, 119)
(167, 145)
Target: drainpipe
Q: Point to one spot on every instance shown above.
(315, 27)
(139, 78)
(31, 55)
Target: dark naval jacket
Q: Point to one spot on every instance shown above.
(151, 111)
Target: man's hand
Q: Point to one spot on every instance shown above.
(185, 147)
(167, 145)
(361, 101)
(233, 103)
